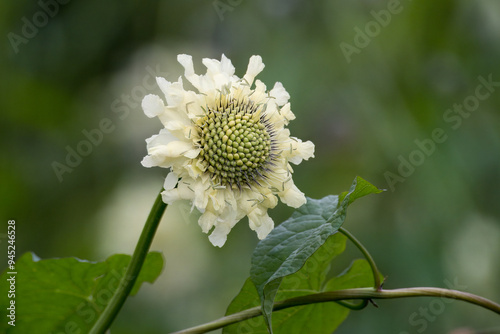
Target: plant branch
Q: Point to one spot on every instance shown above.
(367, 255)
(127, 282)
(360, 293)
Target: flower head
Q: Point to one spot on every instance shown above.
(226, 146)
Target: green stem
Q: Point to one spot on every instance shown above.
(360, 293)
(127, 282)
(367, 255)
(355, 307)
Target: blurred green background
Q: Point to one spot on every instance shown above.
(367, 80)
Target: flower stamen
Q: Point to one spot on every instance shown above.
(236, 142)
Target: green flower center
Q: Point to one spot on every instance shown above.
(236, 143)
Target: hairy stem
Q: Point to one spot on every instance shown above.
(360, 293)
(367, 255)
(127, 282)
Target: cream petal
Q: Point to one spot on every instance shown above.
(173, 91)
(182, 191)
(207, 221)
(292, 196)
(280, 117)
(201, 193)
(272, 112)
(217, 198)
(220, 74)
(259, 95)
(212, 65)
(283, 137)
(201, 165)
(260, 222)
(219, 67)
(280, 94)
(148, 162)
(222, 228)
(219, 235)
(301, 151)
(226, 65)
(255, 66)
(187, 62)
(173, 125)
(152, 105)
(248, 199)
(192, 170)
(164, 85)
(165, 143)
(195, 169)
(225, 222)
(175, 119)
(156, 161)
(270, 200)
(192, 153)
(287, 113)
(170, 181)
(162, 138)
(170, 196)
(173, 149)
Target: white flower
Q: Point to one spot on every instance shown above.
(226, 146)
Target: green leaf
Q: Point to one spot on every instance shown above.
(285, 250)
(67, 295)
(361, 188)
(313, 318)
(358, 275)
